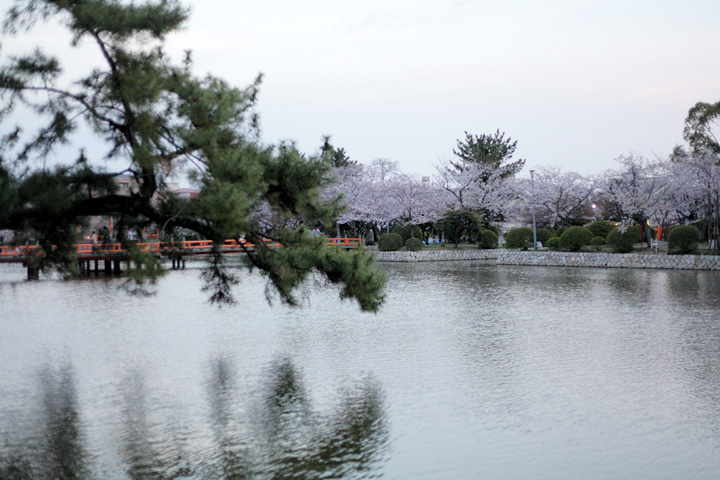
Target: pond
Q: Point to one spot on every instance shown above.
(470, 370)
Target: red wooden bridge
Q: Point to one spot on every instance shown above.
(114, 253)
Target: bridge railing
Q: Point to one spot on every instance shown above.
(348, 242)
(80, 249)
(10, 251)
(17, 250)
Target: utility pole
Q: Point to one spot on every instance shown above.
(532, 182)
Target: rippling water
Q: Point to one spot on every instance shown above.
(470, 371)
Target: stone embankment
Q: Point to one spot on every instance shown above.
(609, 260)
(561, 259)
(437, 255)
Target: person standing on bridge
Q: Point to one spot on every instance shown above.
(105, 233)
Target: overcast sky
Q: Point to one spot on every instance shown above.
(575, 82)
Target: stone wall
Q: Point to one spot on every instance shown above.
(560, 259)
(437, 255)
(609, 260)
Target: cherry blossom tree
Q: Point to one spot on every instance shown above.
(562, 198)
(641, 189)
(369, 195)
(699, 175)
(478, 187)
(421, 203)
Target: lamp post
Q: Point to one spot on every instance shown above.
(532, 182)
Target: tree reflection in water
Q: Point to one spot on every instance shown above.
(276, 435)
(148, 453)
(286, 438)
(55, 448)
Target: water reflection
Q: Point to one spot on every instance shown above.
(270, 432)
(482, 371)
(285, 437)
(55, 448)
(230, 457)
(149, 450)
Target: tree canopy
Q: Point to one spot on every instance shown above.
(702, 127)
(494, 151)
(156, 117)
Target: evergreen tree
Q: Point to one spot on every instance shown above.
(490, 150)
(485, 161)
(338, 156)
(158, 117)
(702, 129)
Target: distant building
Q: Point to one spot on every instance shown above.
(126, 184)
(185, 192)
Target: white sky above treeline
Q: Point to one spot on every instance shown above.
(576, 82)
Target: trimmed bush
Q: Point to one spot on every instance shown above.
(683, 239)
(558, 233)
(601, 228)
(390, 242)
(553, 243)
(598, 242)
(413, 244)
(521, 237)
(405, 231)
(493, 229)
(623, 242)
(488, 239)
(574, 238)
(543, 235)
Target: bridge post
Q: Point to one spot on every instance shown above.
(33, 272)
(108, 267)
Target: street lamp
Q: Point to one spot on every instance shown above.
(532, 181)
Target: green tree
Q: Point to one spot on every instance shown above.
(156, 116)
(488, 157)
(491, 150)
(338, 157)
(459, 225)
(701, 129)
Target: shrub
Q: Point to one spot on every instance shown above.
(683, 239)
(521, 237)
(390, 242)
(553, 243)
(574, 238)
(601, 228)
(558, 233)
(406, 231)
(488, 239)
(543, 235)
(598, 242)
(493, 229)
(413, 244)
(623, 242)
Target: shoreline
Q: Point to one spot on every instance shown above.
(548, 258)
